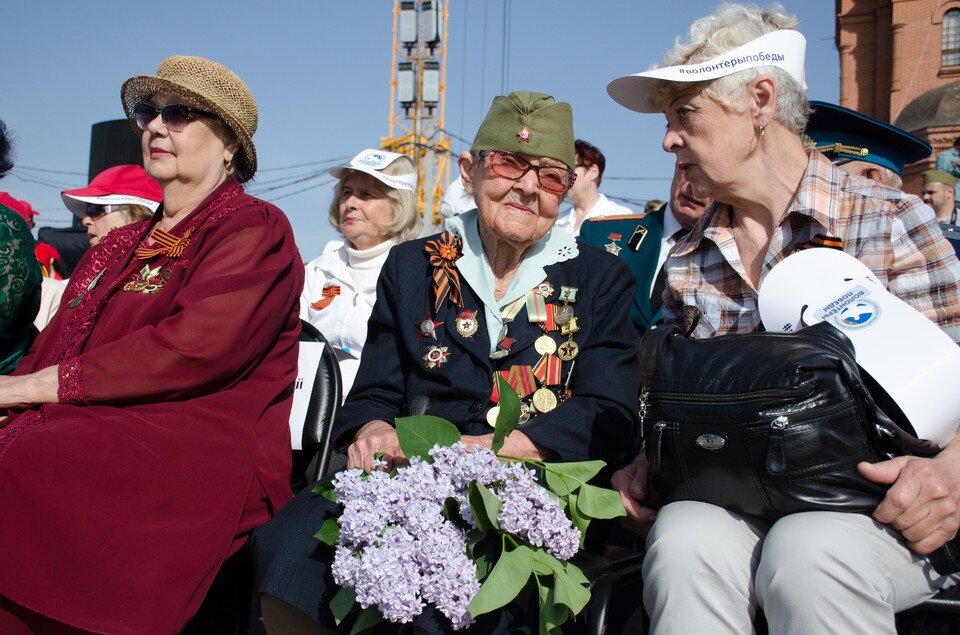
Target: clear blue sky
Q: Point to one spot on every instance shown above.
(320, 70)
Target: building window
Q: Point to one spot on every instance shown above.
(950, 38)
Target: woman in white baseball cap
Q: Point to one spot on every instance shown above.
(116, 197)
(374, 208)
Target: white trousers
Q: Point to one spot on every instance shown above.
(707, 570)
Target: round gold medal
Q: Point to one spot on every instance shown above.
(544, 400)
(563, 314)
(545, 345)
(568, 350)
(492, 415)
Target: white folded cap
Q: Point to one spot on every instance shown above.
(784, 49)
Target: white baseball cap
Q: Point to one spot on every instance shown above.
(371, 161)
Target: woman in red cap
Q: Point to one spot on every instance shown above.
(118, 196)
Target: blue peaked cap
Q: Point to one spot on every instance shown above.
(841, 133)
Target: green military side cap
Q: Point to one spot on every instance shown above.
(528, 123)
(939, 176)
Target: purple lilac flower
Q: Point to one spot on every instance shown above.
(529, 511)
(449, 576)
(389, 577)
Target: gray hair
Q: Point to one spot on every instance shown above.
(730, 26)
(406, 220)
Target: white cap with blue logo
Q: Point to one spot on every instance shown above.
(371, 161)
(915, 362)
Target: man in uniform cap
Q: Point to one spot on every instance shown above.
(862, 145)
(938, 192)
(644, 241)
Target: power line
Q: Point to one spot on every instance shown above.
(637, 178)
(309, 177)
(301, 191)
(33, 169)
(303, 165)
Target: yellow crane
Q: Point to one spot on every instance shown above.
(418, 89)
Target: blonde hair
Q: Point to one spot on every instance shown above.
(730, 26)
(135, 213)
(406, 221)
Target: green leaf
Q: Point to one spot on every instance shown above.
(325, 489)
(552, 613)
(598, 502)
(451, 510)
(418, 435)
(509, 415)
(329, 532)
(575, 573)
(508, 577)
(484, 549)
(580, 521)
(342, 603)
(367, 619)
(569, 592)
(560, 484)
(581, 471)
(484, 505)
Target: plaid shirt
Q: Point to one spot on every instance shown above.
(892, 233)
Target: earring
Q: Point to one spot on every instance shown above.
(761, 129)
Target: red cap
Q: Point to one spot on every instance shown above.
(20, 206)
(119, 185)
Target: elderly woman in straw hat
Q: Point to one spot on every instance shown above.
(734, 102)
(146, 433)
(374, 208)
(502, 292)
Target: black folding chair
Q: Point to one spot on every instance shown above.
(324, 404)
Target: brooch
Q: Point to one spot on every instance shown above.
(149, 282)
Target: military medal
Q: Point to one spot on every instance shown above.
(568, 294)
(149, 282)
(503, 348)
(436, 355)
(428, 328)
(467, 323)
(492, 415)
(612, 246)
(545, 289)
(525, 413)
(567, 350)
(545, 345)
(570, 327)
(544, 400)
(563, 314)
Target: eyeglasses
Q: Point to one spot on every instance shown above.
(95, 211)
(511, 166)
(175, 116)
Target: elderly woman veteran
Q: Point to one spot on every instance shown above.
(737, 138)
(148, 431)
(374, 208)
(504, 292)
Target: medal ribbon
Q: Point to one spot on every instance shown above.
(550, 323)
(536, 307)
(510, 311)
(166, 245)
(520, 378)
(822, 240)
(444, 252)
(548, 370)
(329, 293)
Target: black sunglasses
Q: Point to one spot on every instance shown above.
(95, 211)
(175, 116)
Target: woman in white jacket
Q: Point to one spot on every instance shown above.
(374, 208)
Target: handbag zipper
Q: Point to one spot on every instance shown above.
(658, 428)
(803, 389)
(776, 444)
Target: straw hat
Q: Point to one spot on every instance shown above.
(214, 87)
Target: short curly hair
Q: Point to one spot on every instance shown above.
(6, 150)
(730, 26)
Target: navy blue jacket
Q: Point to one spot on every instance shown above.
(597, 422)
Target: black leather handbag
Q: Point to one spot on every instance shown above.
(768, 424)
(765, 424)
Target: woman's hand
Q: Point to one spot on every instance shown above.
(24, 391)
(631, 482)
(517, 444)
(923, 501)
(375, 437)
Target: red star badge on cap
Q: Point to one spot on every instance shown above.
(524, 134)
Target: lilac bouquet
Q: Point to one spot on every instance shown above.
(461, 529)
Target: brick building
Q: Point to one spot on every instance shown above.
(900, 62)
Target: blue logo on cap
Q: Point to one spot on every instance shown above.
(374, 158)
(858, 315)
